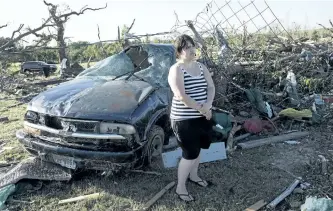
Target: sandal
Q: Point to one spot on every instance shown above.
(191, 198)
(201, 183)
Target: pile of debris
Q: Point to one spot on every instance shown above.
(72, 71)
(264, 72)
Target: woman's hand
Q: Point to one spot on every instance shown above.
(205, 109)
(208, 114)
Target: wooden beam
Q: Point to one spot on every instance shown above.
(157, 196)
(273, 139)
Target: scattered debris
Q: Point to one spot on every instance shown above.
(157, 196)
(295, 114)
(34, 168)
(284, 195)
(4, 119)
(256, 125)
(292, 142)
(146, 172)
(4, 193)
(230, 141)
(257, 206)
(241, 137)
(295, 204)
(273, 139)
(317, 204)
(324, 162)
(80, 198)
(298, 191)
(6, 164)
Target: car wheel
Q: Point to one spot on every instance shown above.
(154, 147)
(46, 72)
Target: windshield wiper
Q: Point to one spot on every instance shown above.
(131, 73)
(137, 69)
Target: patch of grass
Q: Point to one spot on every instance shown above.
(8, 130)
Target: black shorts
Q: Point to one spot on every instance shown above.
(193, 135)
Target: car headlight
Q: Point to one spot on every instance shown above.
(117, 128)
(31, 116)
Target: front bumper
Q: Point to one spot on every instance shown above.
(78, 158)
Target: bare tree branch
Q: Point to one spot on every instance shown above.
(327, 29)
(66, 16)
(129, 29)
(17, 31)
(100, 43)
(3, 26)
(29, 32)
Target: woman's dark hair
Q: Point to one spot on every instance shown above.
(181, 42)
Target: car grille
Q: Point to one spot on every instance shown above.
(87, 144)
(70, 125)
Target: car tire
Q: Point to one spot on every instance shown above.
(46, 72)
(154, 147)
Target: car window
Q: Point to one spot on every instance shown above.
(112, 66)
(160, 57)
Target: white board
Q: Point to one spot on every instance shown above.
(215, 152)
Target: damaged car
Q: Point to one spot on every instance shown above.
(114, 114)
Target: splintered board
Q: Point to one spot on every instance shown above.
(257, 206)
(215, 152)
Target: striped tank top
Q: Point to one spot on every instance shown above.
(196, 88)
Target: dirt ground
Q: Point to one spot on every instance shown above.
(246, 177)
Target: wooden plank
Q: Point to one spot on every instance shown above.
(284, 195)
(80, 198)
(157, 196)
(273, 139)
(257, 206)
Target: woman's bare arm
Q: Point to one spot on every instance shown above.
(176, 82)
(211, 86)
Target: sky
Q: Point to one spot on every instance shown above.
(154, 15)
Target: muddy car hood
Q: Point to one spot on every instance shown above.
(94, 99)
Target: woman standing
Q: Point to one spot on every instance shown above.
(193, 90)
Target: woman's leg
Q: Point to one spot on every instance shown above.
(184, 169)
(194, 173)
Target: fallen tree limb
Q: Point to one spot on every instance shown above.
(271, 140)
(283, 195)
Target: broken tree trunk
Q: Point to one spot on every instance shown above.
(271, 140)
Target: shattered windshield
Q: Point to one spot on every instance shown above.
(154, 69)
(112, 67)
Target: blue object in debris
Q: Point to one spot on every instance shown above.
(4, 193)
(317, 204)
(215, 152)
